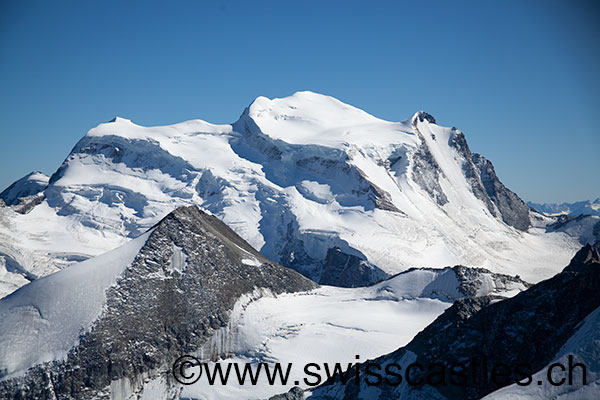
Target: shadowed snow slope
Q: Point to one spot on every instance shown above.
(43, 321)
(317, 185)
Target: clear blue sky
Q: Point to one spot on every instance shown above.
(521, 78)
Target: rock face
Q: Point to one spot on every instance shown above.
(294, 393)
(485, 185)
(448, 284)
(510, 206)
(176, 293)
(347, 270)
(529, 328)
(476, 282)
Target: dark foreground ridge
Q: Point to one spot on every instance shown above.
(528, 328)
(158, 311)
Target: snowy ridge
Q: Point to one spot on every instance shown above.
(449, 284)
(31, 184)
(313, 183)
(43, 320)
(161, 295)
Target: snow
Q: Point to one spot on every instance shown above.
(30, 184)
(326, 325)
(316, 327)
(309, 118)
(251, 261)
(419, 283)
(44, 319)
(9, 280)
(42, 242)
(296, 172)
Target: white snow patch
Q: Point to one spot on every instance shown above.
(251, 261)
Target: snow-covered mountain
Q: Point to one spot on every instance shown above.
(547, 323)
(110, 326)
(587, 207)
(315, 184)
(30, 185)
(102, 326)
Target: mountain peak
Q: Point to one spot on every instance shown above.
(421, 116)
(118, 119)
(161, 294)
(306, 105)
(29, 185)
(313, 119)
(284, 162)
(585, 258)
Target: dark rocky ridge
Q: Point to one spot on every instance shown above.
(25, 204)
(528, 328)
(347, 270)
(426, 171)
(470, 282)
(514, 211)
(178, 291)
(479, 172)
(487, 187)
(295, 393)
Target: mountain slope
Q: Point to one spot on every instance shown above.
(317, 185)
(99, 327)
(30, 185)
(537, 326)
(333, 325)
(111, 325)
(584, 345)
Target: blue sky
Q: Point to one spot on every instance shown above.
(520, 78)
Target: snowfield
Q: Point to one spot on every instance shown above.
(300, 178)
(330, 325)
